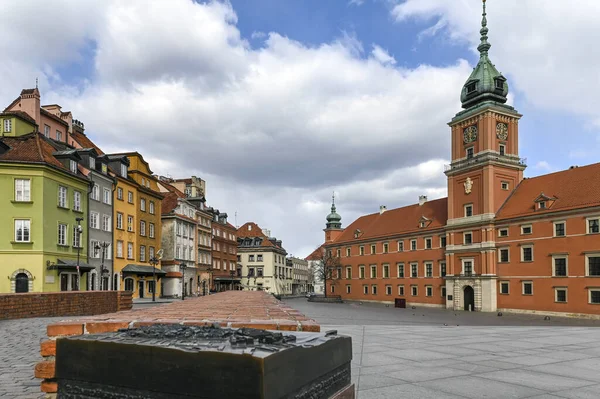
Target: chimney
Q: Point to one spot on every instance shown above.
(30, 104)
(267, 232)
(382, 209)
(422, 200)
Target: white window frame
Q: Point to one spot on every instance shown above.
(587, 262)
(398, 266)
(7, 125)
(361, 272)
(523, 287)
(524, 226)
(428, 290)
(107, 197)
(463, 261)
(106, 223)
(470, 233)
(385, 267)
(142, 253)
(430, 240)
(123, 170)
(386, 247)
(566, 290)
(400, 245)
(362, 250)
(47, 131)
(388, 290)
(472, 148)
(401, 290)
(73, 166)
(119, 193)
(563, 222)
(414, 290)
(63, 228)
(77, 238)
(500, 249)
(22, 190)
(365, 289)
(443, 273)
(58, 135)
(143, 204)
(413, 247)
(94, 253)
(92, 163)
(566, 258)
(502, 149)
(94, 220)
(523, 253)
(96, 192)
(507, 285)
(119, 248)
(151, 230)
(130, 253)
(373, 289)
(590, 290)
(373, 271)
(76, 201)
(373, 249)
(505, 185)
(62, 197)
(425, 269)
(143, 228)
(414, 266)
(130, 222)
(25, 224)
(468, 206)
(151, 207)
(587, 223)
(348, 272)
(130, 197)
(119, 220)
(348, 251)
(500, 230)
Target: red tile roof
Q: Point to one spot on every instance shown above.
(85, 142)
(30, 148)
(573, 189)
(252, 230)
(20, 114)
(169, 203)
(397, 221)
(52, 116)
(317, 254)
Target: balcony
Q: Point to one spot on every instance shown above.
(485, 157)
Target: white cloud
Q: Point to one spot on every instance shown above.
(546, 48)
(258, 35)
(272, 130)
(356, 2)
(382, 56)
(543, 166)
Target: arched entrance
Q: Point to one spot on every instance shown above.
(21, 283)
(469, 298)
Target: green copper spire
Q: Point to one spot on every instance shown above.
(334, 221)
(485, 83)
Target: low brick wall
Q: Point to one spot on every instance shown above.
(58, 304)
(254, 309)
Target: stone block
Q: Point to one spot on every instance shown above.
(174, 361)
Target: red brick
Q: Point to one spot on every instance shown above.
(44, 370)
(49, 386)
(48, 348)
(102, 327)
(65, 329)
(310, 326)
(285, 325)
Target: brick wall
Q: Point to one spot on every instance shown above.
(253, 309)
(58, 304)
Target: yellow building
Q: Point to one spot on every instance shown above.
(137, 226)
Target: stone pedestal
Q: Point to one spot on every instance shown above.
(175, 361)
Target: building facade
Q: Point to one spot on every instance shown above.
(43, 197)
(225, 275)
(498, 241)
(262, 261)
(179, 242)
(299, 275)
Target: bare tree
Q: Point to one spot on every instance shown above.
(327, 268)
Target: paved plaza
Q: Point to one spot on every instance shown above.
(408, 353)
(423, 353)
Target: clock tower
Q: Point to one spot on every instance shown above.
(485, 169)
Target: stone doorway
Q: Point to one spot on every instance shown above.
(141, 289)
(469, 298)
(21, 283)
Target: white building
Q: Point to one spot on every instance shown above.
(262, 261)
(300, 275)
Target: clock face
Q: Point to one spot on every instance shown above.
(470, 134)
(502, 131)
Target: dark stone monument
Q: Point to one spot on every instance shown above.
(176, 361)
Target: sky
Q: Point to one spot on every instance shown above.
(277, 104)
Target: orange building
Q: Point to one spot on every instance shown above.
(498, 241)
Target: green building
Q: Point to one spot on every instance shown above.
(44, 211)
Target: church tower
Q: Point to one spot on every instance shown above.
(485, 169)
(334, 224)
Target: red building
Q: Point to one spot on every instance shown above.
(498, 241)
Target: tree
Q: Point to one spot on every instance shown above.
(327, 268)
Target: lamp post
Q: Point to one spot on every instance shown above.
(78, 231)
(102, 247)
(183, 266)
(153, 261)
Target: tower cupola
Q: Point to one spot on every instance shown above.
(485, 82)
(334, 220)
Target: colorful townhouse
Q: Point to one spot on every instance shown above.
(499, 241)
(44, 202)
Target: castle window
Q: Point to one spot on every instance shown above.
(560, 267)
(503, 232)
(470, 152)
(504, 287)
(504, 255)
(559, 229)
(594, 226)
(527, 253)
(468, 238)
(365, 289)
(560, 295)
(499, 84)
(468, 210)
(471, 87)
(527, 288)
(502, 149)
(504, 185)
(526, 229)
(542, 205)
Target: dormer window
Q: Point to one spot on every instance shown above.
(92, 163)
(471, 87)
(499, 84)
(542, 205)
(73, 166)
(104, 168)
(123, 170)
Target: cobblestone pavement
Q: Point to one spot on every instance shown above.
(19, 352)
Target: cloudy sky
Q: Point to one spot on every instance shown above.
(278, 103)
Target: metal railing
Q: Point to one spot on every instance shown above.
(485, 158)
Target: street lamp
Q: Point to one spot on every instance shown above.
(78, 231)
(102, 247)
(183, 266)
(154, 262)
(232, 274)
